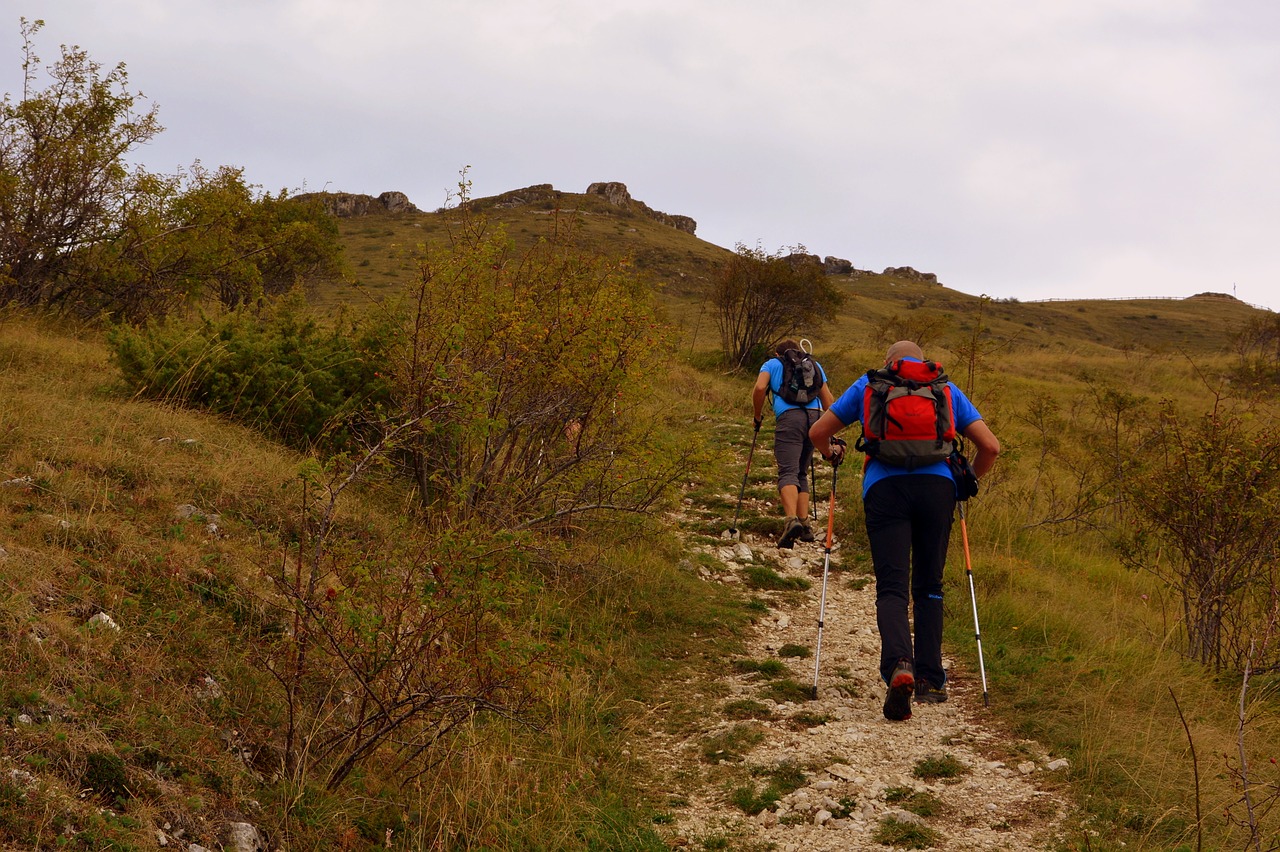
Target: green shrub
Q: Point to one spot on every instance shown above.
(943, 766)
(784, 778)
(905, 835)
(768, 668)
(766, 579)
(732, 745)
(104, 774)
(788, 690)
(915, 801)
(747, 709)
(282, 374)
(805, 720)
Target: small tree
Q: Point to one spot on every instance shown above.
(388, 650)
(1207, 523)
(760, 297)
(208, 235)
(63, 179)
(1257, 348)
(537, 370)
(82, 232)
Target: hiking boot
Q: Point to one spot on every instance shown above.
(927, 693)
(790, 532)
(897, 699)
(806, 533)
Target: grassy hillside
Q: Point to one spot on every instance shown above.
(167, 715)
(1085, 654)
(141, 551)
(381, 250)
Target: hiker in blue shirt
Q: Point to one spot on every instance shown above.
(908, 512)
(791, 446)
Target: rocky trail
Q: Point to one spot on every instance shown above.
(770, 769)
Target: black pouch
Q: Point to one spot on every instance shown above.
(962, 473)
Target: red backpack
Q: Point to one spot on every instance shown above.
(907, 416)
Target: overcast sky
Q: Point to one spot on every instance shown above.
(1051, 149)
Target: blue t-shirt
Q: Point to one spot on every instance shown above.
(774, 368)
(848, 409)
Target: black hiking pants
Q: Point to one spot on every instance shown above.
(908, 528)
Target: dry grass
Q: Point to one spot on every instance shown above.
(89, 523)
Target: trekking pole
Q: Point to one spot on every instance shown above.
(973, 595)
(826, 565)
(733, 530)
(813, 480)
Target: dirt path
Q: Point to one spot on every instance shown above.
(862, 775)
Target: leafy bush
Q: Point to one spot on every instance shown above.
(760, 297)
(82, 231)
(1207, 493)
(766, 579)
(768, 668)
(939, 766)
(905, 835)
(527, 381)
(285, 375)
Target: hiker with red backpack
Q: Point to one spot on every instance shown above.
(800, 393)
(912, 418)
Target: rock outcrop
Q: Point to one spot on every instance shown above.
(798, 259)
(539, 193)
(616, 194)
(345, 205)
(836, 265)
(911, 274)
(830, 265)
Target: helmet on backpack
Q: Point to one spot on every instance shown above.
(801, 377)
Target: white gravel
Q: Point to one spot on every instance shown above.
(1008, 799)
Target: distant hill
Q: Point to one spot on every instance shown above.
(384, 234)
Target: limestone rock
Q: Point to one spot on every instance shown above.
(911, 274)
(348, 205)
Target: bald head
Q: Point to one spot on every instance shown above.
(903, 349)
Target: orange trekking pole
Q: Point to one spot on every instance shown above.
(973, 595)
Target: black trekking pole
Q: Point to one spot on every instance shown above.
(733, 530)
(826, 566)
(813, 480)
(977, 633)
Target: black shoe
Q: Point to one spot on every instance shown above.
(806, 533)
(789, 533)
(897, 700)
(927, 693)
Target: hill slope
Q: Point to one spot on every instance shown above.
(137, 543)
(381, 249)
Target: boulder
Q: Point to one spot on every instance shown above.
(911, 274)
(836, 265)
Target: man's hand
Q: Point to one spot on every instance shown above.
(758, 421)
(837, 452)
